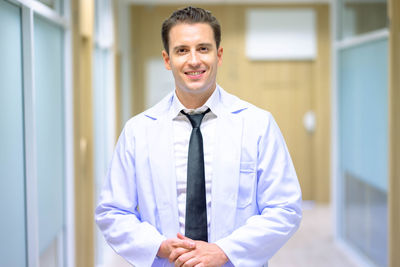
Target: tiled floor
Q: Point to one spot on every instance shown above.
(111, 259)
(311, 246)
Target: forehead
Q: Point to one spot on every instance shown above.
(184, 33)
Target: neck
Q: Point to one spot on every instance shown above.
(193, 100)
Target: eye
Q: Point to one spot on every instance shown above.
(203, 49)
(181, 51)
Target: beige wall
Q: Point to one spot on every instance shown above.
(118, 75)
(82, 11)
(275, 86)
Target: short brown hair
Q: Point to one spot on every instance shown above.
(190, 15)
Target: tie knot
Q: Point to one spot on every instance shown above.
(195, 119)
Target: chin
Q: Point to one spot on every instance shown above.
(194, 89)
(197, 90)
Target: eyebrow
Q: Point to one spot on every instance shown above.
(185, 46)
(205, 44)
(179, 47)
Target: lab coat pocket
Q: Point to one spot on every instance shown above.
(246, 183)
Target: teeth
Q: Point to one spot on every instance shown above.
(195, 73)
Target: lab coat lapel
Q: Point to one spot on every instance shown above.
(162, 165)
(225, 180)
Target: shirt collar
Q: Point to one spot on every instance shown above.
(211, 103)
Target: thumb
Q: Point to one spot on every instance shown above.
(189, 242)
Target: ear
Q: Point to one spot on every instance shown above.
(219, 55)
(166, 60)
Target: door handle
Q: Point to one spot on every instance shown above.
(309, 121)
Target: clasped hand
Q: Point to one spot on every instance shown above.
(185, 252)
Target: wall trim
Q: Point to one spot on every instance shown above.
(44, 11)
(30, 137)
(362, 39)
(69, 255)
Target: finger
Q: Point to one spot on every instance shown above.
(180, 236)
(185, 242)
(177, 263)
(175, 253)
(191, 262)
(183, 258)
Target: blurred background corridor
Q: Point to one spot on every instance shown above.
(72, 72)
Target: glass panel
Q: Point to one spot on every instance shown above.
(12, 177)
(361, 16)
(103, 131)
(363, 122)
(50, 140)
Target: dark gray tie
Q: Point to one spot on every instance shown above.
(196, 206)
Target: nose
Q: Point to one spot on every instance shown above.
(194, 60)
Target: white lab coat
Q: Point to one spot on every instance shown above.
(255, 193)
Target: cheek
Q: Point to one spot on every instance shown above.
(176, 73)
(176, 65)
(213, 61)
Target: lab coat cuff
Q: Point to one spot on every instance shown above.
(163, 238)
(148, 256)
(224, 245)
(159, 242)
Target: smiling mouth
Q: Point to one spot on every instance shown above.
(194, 73)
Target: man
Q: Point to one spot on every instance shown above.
(222, 192)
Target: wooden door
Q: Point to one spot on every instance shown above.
(285, 89)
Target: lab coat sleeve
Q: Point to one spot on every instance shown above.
(117, 214)
(278, 201)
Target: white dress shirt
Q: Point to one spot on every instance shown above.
(182, 129)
